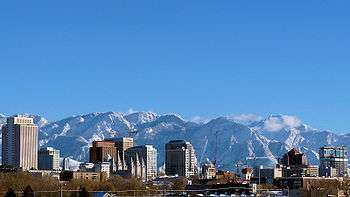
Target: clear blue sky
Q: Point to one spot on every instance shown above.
(206, 58)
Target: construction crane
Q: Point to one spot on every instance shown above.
(216, 147)
(203, 150)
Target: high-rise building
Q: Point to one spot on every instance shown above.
(20, 143)
(295, 164)
(102, 151)
(180, 158)
(66, 164)
(122, 144)
(333, 161)
(141, 161)
(49, 159)
(294, 158)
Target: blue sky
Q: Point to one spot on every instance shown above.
(195, 58)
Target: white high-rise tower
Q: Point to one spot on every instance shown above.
(20, 143)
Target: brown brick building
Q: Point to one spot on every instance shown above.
(102, 151)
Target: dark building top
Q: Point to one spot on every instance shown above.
(333, 152)
(177, 141)
(294, 158)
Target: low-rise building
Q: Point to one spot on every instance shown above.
(43, 173)
(313, 186)
(266, 175)
(306, 171)
(247, 173)
(93, 176)
(103, 167)
(100, 167)
(208, 171)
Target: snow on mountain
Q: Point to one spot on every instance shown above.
(141, 117)
(2, 119)
(226, 139)
(245, 119)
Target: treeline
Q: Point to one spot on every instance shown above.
(18, 182)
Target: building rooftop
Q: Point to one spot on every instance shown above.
(177, 141)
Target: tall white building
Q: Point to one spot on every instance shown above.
(20, 143)
(180, 158)
(141, 161)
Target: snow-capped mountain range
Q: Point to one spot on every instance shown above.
(228, 139)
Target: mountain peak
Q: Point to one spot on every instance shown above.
(245, 119)
(141, 117)
(277, 122)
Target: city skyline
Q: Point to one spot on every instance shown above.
(174, 98)
(193, 58)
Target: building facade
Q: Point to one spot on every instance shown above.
(141, 161)
(102, 151)
(295, 164)
(180, 158)
(122, 144)
(93, 176)
(100, 167)
(208, 171)
(267, 175)
(49, 159)
(333, 161)
(20, 143)
(294, 158)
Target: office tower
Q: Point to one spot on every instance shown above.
(122, 144)
(20, 143)
(333, 161)
(294, 158)
(102, 151)
(295, 164)
(66, 164)
(141, 161)
(49, 159)
(180, 158)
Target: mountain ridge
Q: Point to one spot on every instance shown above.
(236, 138)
